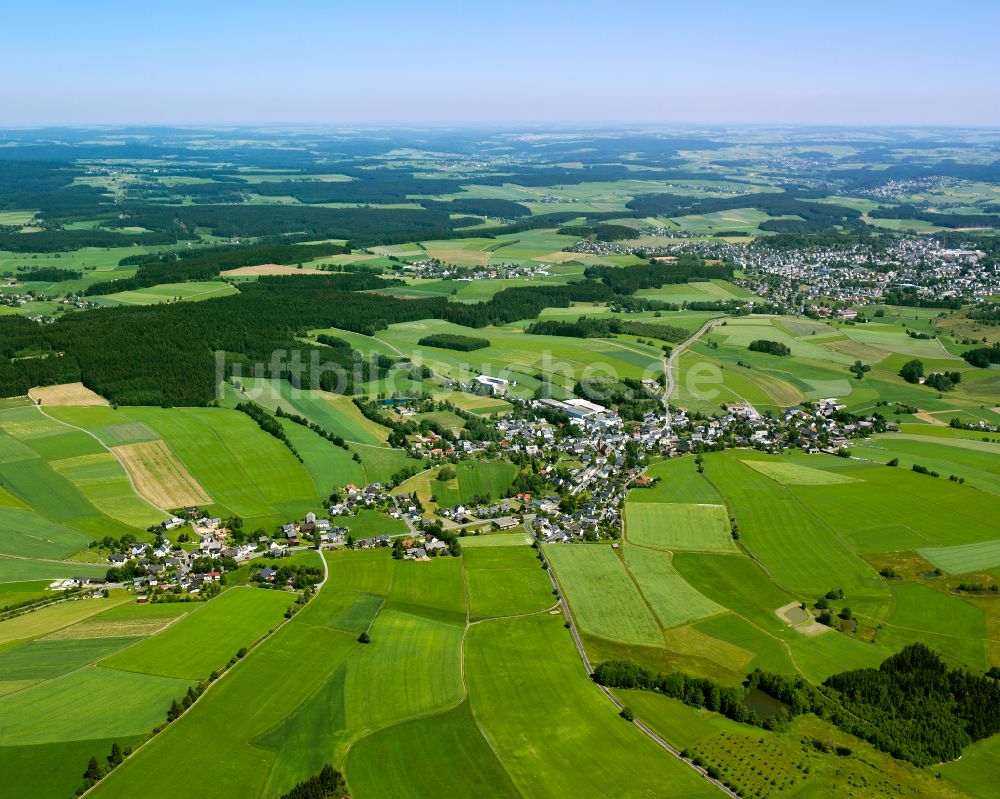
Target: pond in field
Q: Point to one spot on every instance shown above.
(763, 705)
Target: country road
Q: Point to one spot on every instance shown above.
(670, 363)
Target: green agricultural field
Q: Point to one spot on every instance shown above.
(20, 569)
(411, 668)
(52, 618)
(472, 479)
(42, 771)
(817, 657)
(207, 638)
(672, 599)
(369, 523)
(505, 581)
(26, 534)
(739, 645)
(796, 474)
(976, 771)
(170, 292)
(283, 736)
(521, 356)
(678, 526)
(521, 716)
(368, 571)
(798, 547)
(738, 584)
(335, 413)
(459, 764)
(42, 659)
(617, 611)
(518, 538)
(956, 628)
(679, 482)
(929, 512)
(243, 469)
(974, 460)
(74, 706)
(328, 465)
(964, 558)
(435, 589)
(66, 476)
(347, 611)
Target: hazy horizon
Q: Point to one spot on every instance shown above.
(392, 63)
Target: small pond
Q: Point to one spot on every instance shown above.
(763, 705)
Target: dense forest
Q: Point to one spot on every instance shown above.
(113, 352)
(816, 217)
(205, 264)
(682, 269)
(585, 327)
(939, 218)
(601, 232)
(452, 341)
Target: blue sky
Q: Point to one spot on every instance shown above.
(182, 62)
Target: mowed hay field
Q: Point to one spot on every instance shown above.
(796, 474)
(66, 394)
(205, 640)
(616, 610)
(665, 525)
(964, 558)
(673, 600)
(159, 476)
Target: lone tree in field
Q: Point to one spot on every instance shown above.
(859, 369)
(364, 638)
(912, 371)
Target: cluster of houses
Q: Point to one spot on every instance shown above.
(433, 268)
(818, 279)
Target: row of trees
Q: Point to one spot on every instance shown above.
(268, 424)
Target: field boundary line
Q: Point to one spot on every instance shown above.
(114, 454)
(97, 663)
